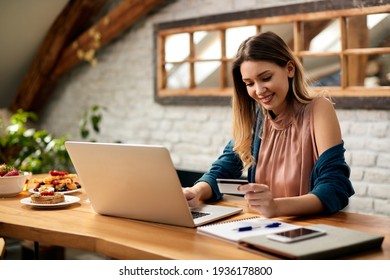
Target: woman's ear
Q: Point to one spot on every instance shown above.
(290, 69)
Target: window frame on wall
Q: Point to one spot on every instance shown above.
(345, 96)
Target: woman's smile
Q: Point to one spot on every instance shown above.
(267, 99)
(267, 83)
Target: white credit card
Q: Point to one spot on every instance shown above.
(229, 186)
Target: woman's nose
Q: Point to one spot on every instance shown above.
(260, 90)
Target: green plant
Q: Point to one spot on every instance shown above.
(29, 149)
(39, 151)
(91, 120)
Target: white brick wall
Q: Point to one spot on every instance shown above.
(366, 135)
(195, 135)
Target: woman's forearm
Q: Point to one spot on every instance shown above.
(307, 204)
(203, 189)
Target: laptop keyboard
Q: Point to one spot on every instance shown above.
(196, 214)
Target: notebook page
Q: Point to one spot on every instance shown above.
(229, 231)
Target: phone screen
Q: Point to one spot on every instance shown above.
(296, 232)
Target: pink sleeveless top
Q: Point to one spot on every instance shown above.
(288, 151)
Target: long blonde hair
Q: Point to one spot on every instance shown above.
(265, 47)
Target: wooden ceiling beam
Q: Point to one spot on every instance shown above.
(100, 34)
(39, 83)
(76, 16)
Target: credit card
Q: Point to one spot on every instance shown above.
(229, 186)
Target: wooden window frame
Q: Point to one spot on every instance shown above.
(348, 97)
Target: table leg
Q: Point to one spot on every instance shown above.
(36, 250)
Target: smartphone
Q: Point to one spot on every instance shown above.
(229, 186)
(295, 235)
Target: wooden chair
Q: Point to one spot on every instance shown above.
(2, 247)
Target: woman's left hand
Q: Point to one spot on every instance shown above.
(259, 198)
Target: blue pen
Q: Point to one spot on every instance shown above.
(248, 228)
(276, 224)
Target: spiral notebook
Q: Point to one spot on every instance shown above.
(337, 242)
(235, 230)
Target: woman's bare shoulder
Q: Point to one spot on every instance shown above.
(326, 125)
(323, 103)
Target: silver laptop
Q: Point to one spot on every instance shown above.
(137, 182)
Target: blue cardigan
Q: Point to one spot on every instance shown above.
(329, 179)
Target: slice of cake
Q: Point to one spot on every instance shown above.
(47, 195)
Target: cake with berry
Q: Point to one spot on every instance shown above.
(46, 195)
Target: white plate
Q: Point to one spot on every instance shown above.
(69, 199)
(65, 192)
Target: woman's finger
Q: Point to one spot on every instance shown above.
(253, 188)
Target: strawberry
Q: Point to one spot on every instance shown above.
(55, 182)
(13, 172)
(51, 192)
(3, 169)
(58, 173)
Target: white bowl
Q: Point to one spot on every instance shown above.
(12, 185)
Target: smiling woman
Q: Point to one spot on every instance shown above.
(263, 83)
(282, 135)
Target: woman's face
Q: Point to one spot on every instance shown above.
(267, 83)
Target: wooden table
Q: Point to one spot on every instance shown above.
(78, 226)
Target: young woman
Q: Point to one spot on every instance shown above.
(288, 141)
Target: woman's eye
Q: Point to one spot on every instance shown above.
(267, 78)
(249, 84)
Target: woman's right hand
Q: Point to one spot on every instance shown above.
(260, 199)
(197, 193)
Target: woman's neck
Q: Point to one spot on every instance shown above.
(272, 114)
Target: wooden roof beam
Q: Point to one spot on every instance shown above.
(75, 16)
(38, 84)
(100, 34)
